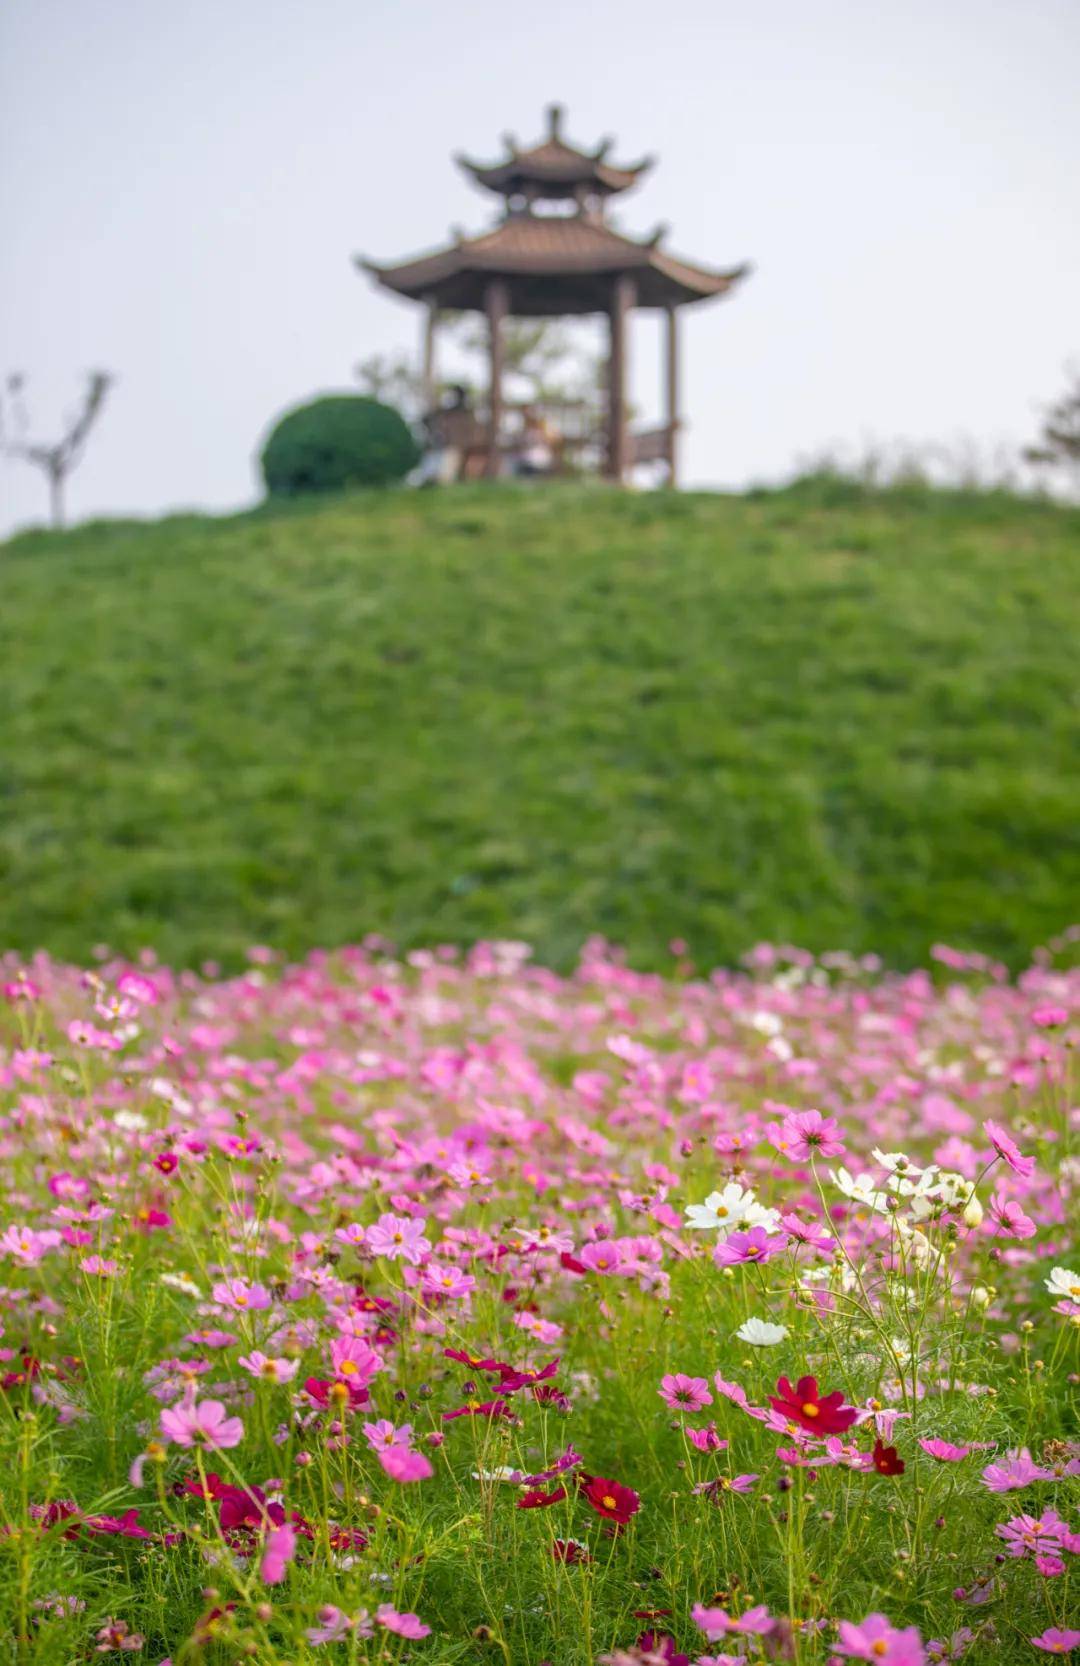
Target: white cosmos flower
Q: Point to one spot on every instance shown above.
(132, 1122)
(721, 1210)
(181, 1282)
(861, 1189)
(1062, 1282)
(757, 1215)
(760, 1334)
(895, 1161)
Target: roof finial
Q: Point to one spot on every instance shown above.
(555, 113)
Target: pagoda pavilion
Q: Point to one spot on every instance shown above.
(553, 253)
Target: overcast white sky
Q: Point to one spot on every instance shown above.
(184, 185)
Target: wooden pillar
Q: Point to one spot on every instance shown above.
(496, 302)
(623, 295)
(672, 385)
(431, 317)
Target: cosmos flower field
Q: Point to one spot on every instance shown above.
(447, 1309)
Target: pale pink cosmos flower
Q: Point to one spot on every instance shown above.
(402, 1625)
(396, 1237)
(383, 1434)
(270, 1370)
(204, 1424)
(1016, 1470)
(240, 1295)
(683, 1393)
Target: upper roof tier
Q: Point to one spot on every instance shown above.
(552, 265)
(552, 168)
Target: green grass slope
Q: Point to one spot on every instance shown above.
(826, 716)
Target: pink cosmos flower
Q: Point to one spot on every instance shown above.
(206, 1423)
(402, 1625)
(240, 1295)
(683, 1393)
(946, 1453)
(808, 1134)
(26, 1246)
(717, 1622)
(602, 1257)
(101, 1265)
(279, 1548)
(754, 1245)
(809, 1233)
(404, 1465)
(270, 1370)
(876, 1640)
(333, 1625)
(1056, 1640)
(1009, 1219)
(707, 1439)
(1024, 1534)
(354, 1361)
(1016, 1470)
(1008, 1150)
(397, 1237)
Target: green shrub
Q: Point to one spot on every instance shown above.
(340, 441)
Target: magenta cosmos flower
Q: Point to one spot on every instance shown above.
(204, 1424)
(876, 1640)
(1008, 1150)
(683, 1393)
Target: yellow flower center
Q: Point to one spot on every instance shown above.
(608, 1502)
(810, 1410)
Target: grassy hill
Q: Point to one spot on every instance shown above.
(825, 715)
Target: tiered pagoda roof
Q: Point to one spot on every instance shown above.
(554, 169)
(553, 263)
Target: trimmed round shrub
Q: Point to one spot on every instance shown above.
(340, 441)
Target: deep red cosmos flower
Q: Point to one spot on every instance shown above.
(475, 1362)
(335, 1396)
(569, 1550)
(886, 1459)
(663, 1647)
(537, 1499)
(479, 1408)
(511, 1379)
(822, 1414)
(610, 1498)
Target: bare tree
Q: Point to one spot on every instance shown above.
(1058, 445)
(58, 460)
